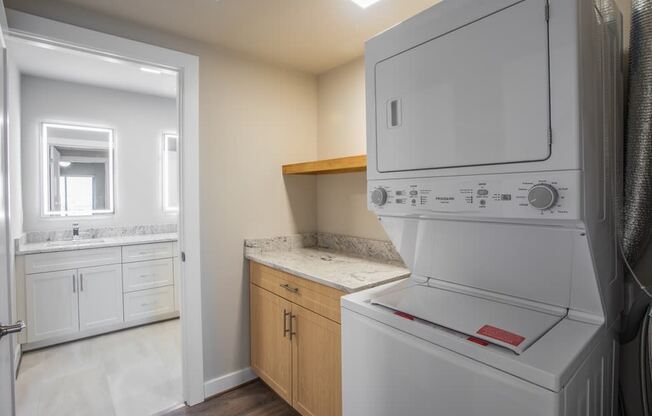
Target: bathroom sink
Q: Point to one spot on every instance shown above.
(67, 243)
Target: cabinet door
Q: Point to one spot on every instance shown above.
(271, 348)
(52, 304)
(100, 296)
(316, 364)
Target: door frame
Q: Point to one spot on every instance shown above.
(50, 32)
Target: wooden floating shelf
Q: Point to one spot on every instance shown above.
(321, 167)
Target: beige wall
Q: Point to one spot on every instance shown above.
(342, 199)
(253, 118)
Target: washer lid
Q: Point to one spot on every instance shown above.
(508, 325)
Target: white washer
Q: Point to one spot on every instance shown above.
(494, 164)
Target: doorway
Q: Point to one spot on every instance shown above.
(149, 60)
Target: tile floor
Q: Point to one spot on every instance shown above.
(135, 372)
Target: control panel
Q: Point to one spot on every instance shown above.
(528, 195)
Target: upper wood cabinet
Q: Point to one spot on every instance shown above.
(295, 340)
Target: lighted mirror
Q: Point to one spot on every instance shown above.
(77, 165)
(170, 159)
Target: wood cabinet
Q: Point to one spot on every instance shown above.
(295, 340)
(271, 348)
(316, 364)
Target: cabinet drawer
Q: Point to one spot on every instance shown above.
(146, 252)
(318, 298)
(149, 303)
(147, 274)
(73, 259)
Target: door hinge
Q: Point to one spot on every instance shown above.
(547, 12)
(183, 256)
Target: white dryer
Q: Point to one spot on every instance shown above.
(494, 138)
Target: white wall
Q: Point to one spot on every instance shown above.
(342, 199)
(253, 118)
(139, 122)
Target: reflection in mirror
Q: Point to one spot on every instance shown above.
(170, 173)
(77, 170)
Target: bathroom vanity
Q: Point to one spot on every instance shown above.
(68, 290)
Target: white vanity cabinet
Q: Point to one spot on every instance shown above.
(100, 297)
(148, 275)
(52, 305)
(73, 294)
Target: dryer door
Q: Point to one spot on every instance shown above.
(477, 95)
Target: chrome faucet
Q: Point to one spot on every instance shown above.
(75, 231)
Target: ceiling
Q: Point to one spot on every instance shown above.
(67, 65)
(308, 35)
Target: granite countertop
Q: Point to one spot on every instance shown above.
(82, 244)
(331, 268)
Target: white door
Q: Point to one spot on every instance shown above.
(52, 304)
(6, 342)
(477, 95)
(100, 296)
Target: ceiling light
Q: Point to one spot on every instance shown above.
(364, 3)
(150, 70)
(64, 164)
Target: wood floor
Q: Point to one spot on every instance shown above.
(253, 399)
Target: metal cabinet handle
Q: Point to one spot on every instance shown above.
(81, 282)
(292, 331)
(285, 322)
(291, 289)
(74, 283)
(11, 329)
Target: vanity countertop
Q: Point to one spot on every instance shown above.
(331, 268)
(82, 244)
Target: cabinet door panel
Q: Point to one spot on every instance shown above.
(316, 364)
(271, 349)
(100, 296)
(52, 305)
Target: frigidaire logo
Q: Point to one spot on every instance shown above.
(445, 198)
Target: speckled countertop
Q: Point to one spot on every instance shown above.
(52, 246)
(331, 268)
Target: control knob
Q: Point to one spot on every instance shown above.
(379, 196)
(542, 196)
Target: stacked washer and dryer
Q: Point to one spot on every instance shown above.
(495, 166)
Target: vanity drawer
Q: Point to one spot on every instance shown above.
(321, 299)
(149, 303)
(146, 252)
(147, 274)
(72, 259)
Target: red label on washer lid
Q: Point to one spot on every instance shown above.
(478, 341)
(501, 335)
(404, 315)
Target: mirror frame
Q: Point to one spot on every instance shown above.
(166, 171)
(45, 180)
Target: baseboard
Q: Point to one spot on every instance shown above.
(228, 381)
(18, 354)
